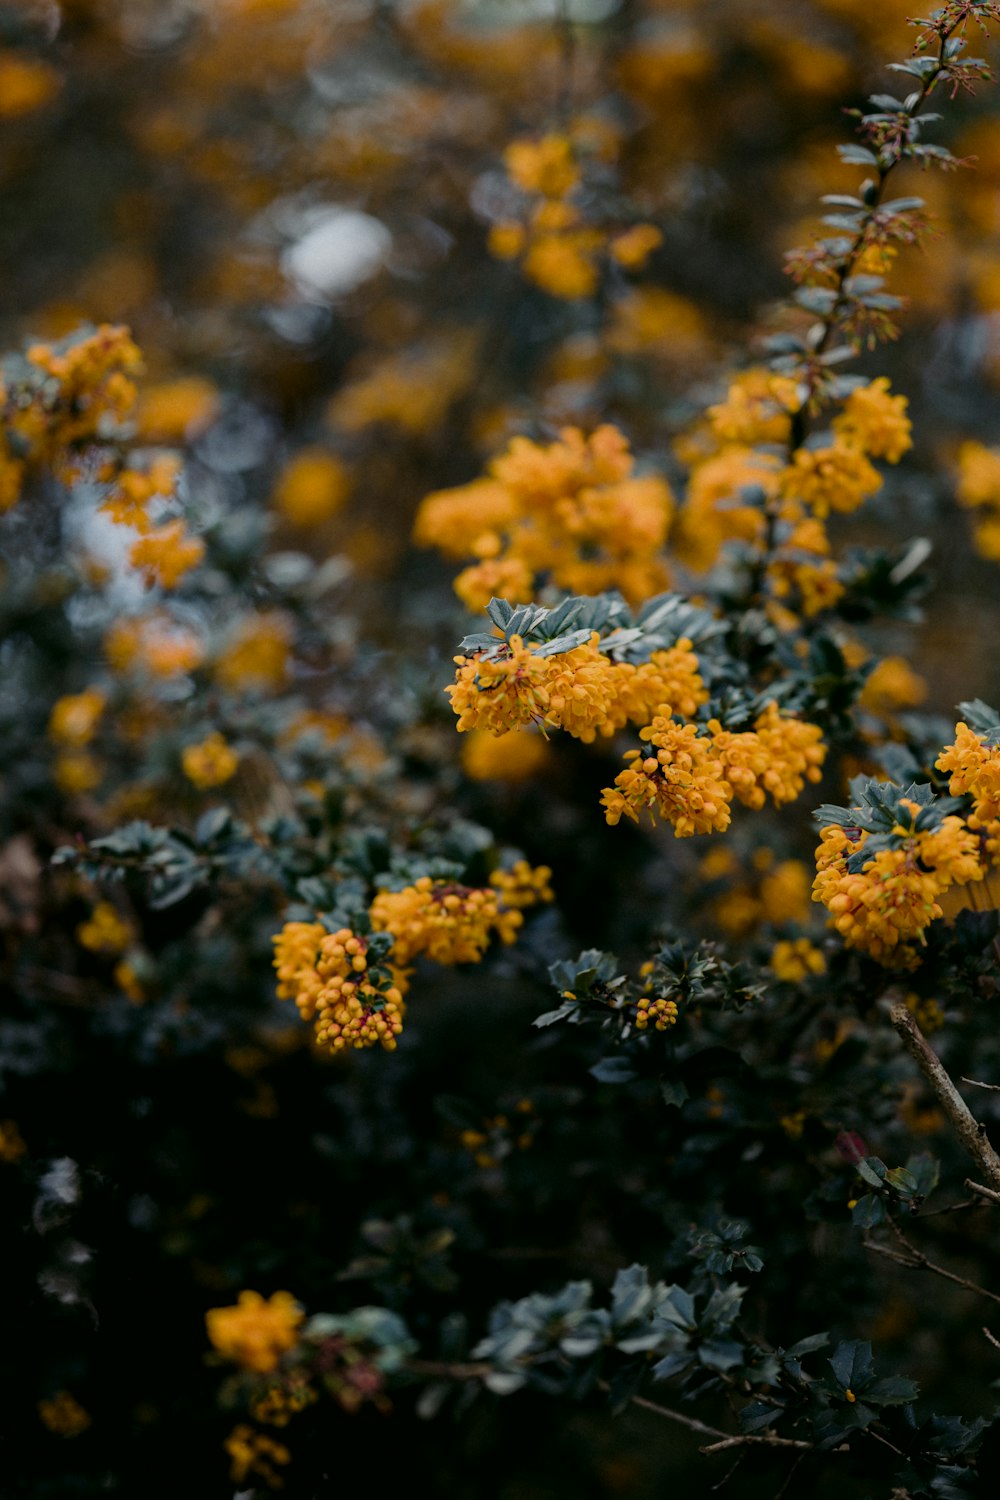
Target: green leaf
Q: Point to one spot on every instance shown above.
(851, 1363)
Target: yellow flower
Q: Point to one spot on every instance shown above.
(73, 720)
(104, 930)
(26, 84)
(311, 488)
(757, 409)
(795, 960)
(64, 1415)
(255, 1454)
(166, 553)
(875, 422)
(975, 768)
(210, 763)
(544, 166)
(515, 756)
(837, 477)
(258, 654)
(893, 684)
(634, 247)
(12, 1146)
(176, 409)
(255, 1333)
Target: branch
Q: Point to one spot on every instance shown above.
(990, 1194)
(970, 1133)
(916, 1260)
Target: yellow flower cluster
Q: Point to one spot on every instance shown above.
(875, 422)
(104, 931)
(165, 553)
(510, 757)
(255, 1333)
(73, 720)
(453, 924)
(659, 1014)
(736, 453)
(795, 959)
(92, 381)
(779, 895)
(975, 769)
(559, 250)
(350, 1009)
(979, 491)
(64, 1415)
(257, 656)
(892, 901)
(210, 763)
(581, 691)
(255, 1454)
(311, 488)
(837, 477)
(152, 644)
(328, 976)
(690, 777)
(279, 1403)
(132, 490)
(572, 512)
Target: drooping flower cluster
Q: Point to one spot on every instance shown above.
(355, 1005)
(975, 769)
(571, 512)
(885, 903)
(255, 1333)
(454, 924)
(660, 1014)
(63, 407)
(353, 988)
(690, 774)
(582, 690)
(560, 246)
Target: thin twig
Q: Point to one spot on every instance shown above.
(990, 1194)
(967, 1128)
(916, 1260)
(994, 1088)
(748, 1439)
(992, 1338)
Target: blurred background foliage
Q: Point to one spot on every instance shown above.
(291, 204)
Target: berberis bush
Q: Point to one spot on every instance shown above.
(478, 871)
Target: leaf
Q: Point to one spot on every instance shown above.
(551, 1016)
(925, 1171)
(872, 1170)
(673, 1092)
(616, 1069)
(868, 1212)
(852, 1365)
(808, 1345)
(892, 1390)
(758, 1415)
(857, 155)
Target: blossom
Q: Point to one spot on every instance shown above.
(104, 931)
(837, 477)
(875, 422)
(166, 553)
(975, 769)
(311, 487)
(572, 511)
(73, 720)
(210, 763)
(679, 778)
(255, 1333)
(795, 959)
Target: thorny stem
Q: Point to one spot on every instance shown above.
(828, 323)
(970, 1133)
